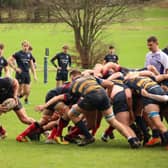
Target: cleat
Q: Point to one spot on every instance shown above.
(21, 139)
(153, 142)
(111, 135)
(134, 143)
(61, 141)
(85, 141)
(104, 138)
(71, 140)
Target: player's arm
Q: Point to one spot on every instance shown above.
(115, 76)
(12, 64)
(50, 102)
(161, 77)
(106, 84)
(33, 69)
(6, 70)
(160, 98)
(53, 61)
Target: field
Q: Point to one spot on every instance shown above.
(130, 41)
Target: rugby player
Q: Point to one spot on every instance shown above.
(111, 56)
(24, 62)
(64, 63)
(9, 89)
(151, 107)
(49, 110)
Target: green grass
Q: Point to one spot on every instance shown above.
(130, 41)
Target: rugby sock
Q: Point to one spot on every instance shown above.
(62, 123)
(108, 131)
(155, 133)
(29, 129)
(142, 125)
(53, 133)
(83, 129)
(166, 137)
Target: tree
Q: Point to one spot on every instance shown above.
(87, 18)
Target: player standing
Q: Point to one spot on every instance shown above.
(111, 56)
(64, 62)
(24, 62)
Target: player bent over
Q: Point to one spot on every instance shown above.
(9, 101)
(151, 107)
(94, 97)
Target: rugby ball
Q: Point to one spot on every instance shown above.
(9, 103)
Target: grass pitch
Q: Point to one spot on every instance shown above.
(130, 41)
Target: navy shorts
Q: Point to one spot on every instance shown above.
(62, 75)
(95, 100)
(23, 78)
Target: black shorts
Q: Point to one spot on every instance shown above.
(154, 90)
(62, 75)
(95, 100)
(23, 78)
(120, 103)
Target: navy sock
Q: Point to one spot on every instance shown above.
(155, 133)
(166, 137)
(142, 124)
(83, 129)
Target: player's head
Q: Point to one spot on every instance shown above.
(25, 45)
(61, 108)
(1, 49)
(111, 49)
(152, 43)
(65, 48)
(74, 73)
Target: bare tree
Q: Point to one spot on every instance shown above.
(87, 18)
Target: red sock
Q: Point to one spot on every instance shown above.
(109, 130)
(76, 131)
(62, 124)
(28, 130)
(53, 133)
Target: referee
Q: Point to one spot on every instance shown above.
(156, 56)
(64, 62)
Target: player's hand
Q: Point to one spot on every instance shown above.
(40, 108)
(18, 70)
(58, 68)
(3, 109)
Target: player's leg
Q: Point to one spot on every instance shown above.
(74, 115)
(153, 114)
(110, 118)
